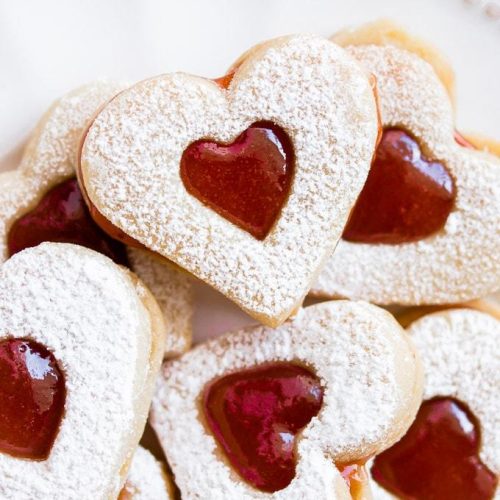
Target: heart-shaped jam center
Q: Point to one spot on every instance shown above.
(247, 181)
(255, 416)
(438, 457)
(32, 396)
(62, 216)
(407, 197)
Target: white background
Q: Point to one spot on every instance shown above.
(48, 47)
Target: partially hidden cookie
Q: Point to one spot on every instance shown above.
(81, 342)
(452, 450)
(247, 181)
(147, 479)
(424, 229)
(263, 413)
(383, 32)
(41, 201)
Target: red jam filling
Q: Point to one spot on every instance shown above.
(438, 458)
(62, 216)
(255, 415)
(247, 181)
(407, 197)
(32, 396)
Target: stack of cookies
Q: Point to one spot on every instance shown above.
(322, 168)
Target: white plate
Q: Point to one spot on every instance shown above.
(47, 48)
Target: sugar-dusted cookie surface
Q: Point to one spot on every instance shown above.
(316, 107)
(460, 413)
(385, 32)
(81, 342)
(147, 479)
(40, 201)
(458, 260)
(358, 367)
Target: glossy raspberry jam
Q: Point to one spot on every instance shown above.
(407, 197)
(438, 458)
(62, 216)
(255, 415)
(32, 396)
(247, 181)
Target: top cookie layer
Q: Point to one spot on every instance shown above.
(89, 313)
(308, 86)
(372, 384)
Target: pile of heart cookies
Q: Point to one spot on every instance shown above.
(325, 170)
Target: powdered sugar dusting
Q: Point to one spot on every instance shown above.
(461, 359)
(84, 309)
(172, 290)
(462, 261)
(311, 88)
(147, 479)
(355, 349)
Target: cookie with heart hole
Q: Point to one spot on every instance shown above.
(81, 342)
(246, 183)
(147, 479)
(41, 201)
(266, 413)
(452, 450)
(424, 228)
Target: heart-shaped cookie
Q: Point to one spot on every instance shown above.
(263, 413)
(147, 479)
(313, 108)
(395, 249)
(452, 450)
(41, 201)
(92, 342)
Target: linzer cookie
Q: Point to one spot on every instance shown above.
(424, 228)
(285, 413)
(247, 181)
(452, 450)
(81, 341)
(41, 201)
(147, 479)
